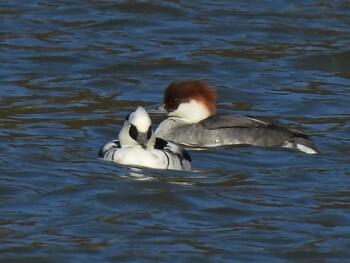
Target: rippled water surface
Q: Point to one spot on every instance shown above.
(71, 71)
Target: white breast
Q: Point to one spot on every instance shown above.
(149, 157)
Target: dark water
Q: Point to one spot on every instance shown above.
(71, 71)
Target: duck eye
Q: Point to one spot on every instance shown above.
(133, 132)
(175, 100)
(149, 133)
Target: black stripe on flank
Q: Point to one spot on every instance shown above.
(186, 156)
(112, 145)
(160, 144)
(167, 157)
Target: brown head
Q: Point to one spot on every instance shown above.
(186, 90)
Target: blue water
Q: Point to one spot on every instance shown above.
(70, 72)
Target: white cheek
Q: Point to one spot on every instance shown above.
(124, 137)
(191, 112)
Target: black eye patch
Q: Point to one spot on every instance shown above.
(149, 133)
(133, 132)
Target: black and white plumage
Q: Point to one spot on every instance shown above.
(138, 146)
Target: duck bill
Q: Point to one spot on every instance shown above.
(142, 139)
(159, 110)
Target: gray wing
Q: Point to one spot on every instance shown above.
(235, 121)
(241, 121)
(258, 131)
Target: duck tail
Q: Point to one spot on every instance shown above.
(302, 143)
